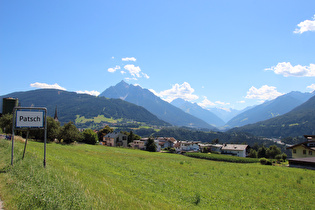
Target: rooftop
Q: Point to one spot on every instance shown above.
(237, 147)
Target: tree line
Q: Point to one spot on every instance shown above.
(273, 152)
(67, 134)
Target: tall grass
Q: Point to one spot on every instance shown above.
(99, 177)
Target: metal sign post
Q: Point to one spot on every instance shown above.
(29, 118)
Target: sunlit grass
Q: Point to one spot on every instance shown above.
(100, 118)
(99, 177)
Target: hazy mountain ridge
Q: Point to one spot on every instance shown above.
(197, 111)
(279, 106)
(298, 122)
(270, 109)
(162, 109)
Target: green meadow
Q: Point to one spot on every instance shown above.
(100, 177)
(100, 118)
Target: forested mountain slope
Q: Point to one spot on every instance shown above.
(70, 104)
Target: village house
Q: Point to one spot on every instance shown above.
(239, 150)
(215, 148)
(115, 139)
(305, 149)
(187, 146)
(204, 147)
(303, 154)
(138, 144)
(166, 142)
(160, 143)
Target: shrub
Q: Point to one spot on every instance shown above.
(284, 156)
(172, 150)
(89, 136)
(263, 161)
(278, 157)
(269, 162)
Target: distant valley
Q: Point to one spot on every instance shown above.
(162, 109)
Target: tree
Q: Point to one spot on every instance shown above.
(255, 146)
(215, 141)
(69, 133)
(89, 136)
(253, 153)
(130, 137)
(101, 133)
(273, 151)
(6, 123)
(261, 152)
(151, 146)
(53, 129)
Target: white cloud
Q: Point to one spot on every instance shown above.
(222, 103)
(92, 92)
(241, 102)
(286, 69)
(154, 92)
(183, 91)
(128, 78)
(133, 70)
(128, 59)
(306, 25)
(145, 75)
(206, 103)
(312, 87)
(264, 93)
(112, 70)
(47, 86)
(113, 57)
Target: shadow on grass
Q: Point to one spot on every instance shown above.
(5, 170)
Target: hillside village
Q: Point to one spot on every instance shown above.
(303, 154)
(117, 139)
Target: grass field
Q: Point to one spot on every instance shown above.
(99, 177)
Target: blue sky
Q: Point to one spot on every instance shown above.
(228, 54)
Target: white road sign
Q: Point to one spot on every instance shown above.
(29, 119)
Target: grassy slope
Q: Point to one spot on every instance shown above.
(99, 177)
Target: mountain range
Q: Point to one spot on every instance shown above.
(162, 109)
(298, 122)
(71, 105)
(288, 115)
(269, 109)
(197, 111)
